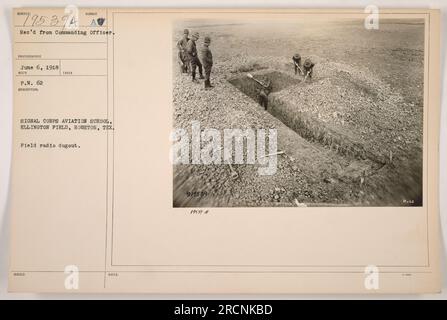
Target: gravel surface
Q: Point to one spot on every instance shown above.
(343, 96)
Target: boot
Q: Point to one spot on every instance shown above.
(194, 77)
(208, 84)
(201, 76)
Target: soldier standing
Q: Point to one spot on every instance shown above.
(191, 50)
(207, 60)
(183, 57)
(297, 63)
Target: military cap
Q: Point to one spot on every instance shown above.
(186, 31)
(296, 56)
(207, 39)
(307, 63)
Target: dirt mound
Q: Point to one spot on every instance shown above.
(353, 102)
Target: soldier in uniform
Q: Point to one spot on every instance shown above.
(308, 68)
(183, 57)
(264, 91)
(207, 61)
(191, 50)
(297, 63)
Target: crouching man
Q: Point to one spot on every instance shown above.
(207, 61)
(308, 67)
(297, 63)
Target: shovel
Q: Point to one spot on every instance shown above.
(299, 68)
(249, 75)
(307, 74)
(272, 154)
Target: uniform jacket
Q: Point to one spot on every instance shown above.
(267, 87)
(206, 56)
(182, 43)
(191, 49)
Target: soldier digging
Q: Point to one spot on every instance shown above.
(207, 61)
(182, 55)
(297, 63)
(191, 50)
(264, 89)
(308, 67)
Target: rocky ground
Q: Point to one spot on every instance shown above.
(369, 89)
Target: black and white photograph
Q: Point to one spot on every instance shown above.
(300, 113)
(246, 152)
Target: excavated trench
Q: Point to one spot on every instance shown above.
(307, 126)
(279, 81)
